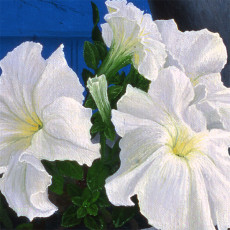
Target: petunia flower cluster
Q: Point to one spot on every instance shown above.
(174, 137)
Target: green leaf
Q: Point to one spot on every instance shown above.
(118, 79)
(121, 215)
(137, 80)
(96, 17)
(95, 196)
(102, 49)
(51, 167)
(90, 103)
(25, 226)
(112, 159)
(77, 200)
(86, 74)
(93, 222)
(4, 216)
(96, 34)
(73, 190)
(70, 169)
(81, 212)
(91, 55)
(110, 132)
(103, 201)
(69, 218)
(114, 93)
(98, 124)
(57, 184)
(92, 210)
(96, 176)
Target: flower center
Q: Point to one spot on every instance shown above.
(31, 125)
(183, 141)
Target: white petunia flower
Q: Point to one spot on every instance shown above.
(178, 169)
(201, 55)
(98, 88)
(131, 34)
(41, 117)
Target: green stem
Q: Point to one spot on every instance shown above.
(113, 62)
(103, 144)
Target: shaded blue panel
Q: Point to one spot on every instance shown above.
(51, 23)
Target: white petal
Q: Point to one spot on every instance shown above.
(139, 104)
(107, 34)
(138, 149)
(217, 182)
(174, 90)
(164, 193)
(199, 52)
(200, 210)
(125, 122)
(25, 186)
(21, 70)
(10, 147)
(57, 80)
(150, 59)
(66, 133)
(212, 115)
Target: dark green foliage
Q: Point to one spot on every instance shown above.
(25, 226)
(90, 103)
(96, 33)
(4, 216)
(137, 80)
(86, 74)
(70, 217)
(96, 176)
(121, 215)
(70, 169)
(91, 55)
(94, 222)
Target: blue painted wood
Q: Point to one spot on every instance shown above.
(51, 22)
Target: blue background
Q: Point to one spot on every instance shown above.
(51, 23)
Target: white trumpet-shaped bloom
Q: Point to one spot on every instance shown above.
(98, 87)
(201, 55)
(130, 33)
(41, 117)
(178, 169)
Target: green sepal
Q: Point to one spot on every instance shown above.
(69, 218)
(94, 222)
(91, 55)
(70, 169)
(121, 215)
(92, 210)
(81, 212)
